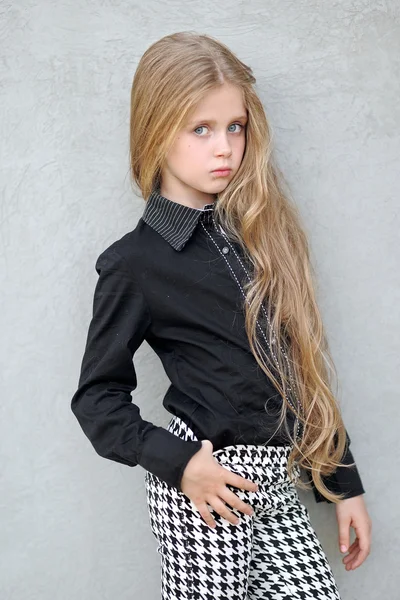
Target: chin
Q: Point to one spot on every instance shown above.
(221, 184)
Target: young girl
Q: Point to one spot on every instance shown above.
(216, 277)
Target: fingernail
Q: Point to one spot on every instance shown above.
(343, 548)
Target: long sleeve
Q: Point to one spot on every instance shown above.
(103, 403)
(344, 480)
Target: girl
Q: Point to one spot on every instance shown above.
(216, 277)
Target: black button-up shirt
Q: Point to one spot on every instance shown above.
(176, 282)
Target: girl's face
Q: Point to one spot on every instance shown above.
(213, 137)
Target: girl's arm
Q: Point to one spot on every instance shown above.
(103, 403)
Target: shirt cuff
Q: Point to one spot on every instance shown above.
(166, 455)
(345, 480)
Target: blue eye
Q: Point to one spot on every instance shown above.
(201, 127)
(233, 124)
(236, 124)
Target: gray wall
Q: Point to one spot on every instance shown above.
(74, 525)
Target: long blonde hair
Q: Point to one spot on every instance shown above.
(172, 76)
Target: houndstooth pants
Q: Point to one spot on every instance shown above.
(273, 554)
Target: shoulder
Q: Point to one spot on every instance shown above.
(129, 252)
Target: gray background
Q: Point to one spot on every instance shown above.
(73, 525)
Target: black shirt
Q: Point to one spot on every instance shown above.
(175, 281)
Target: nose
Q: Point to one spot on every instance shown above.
(223, 146)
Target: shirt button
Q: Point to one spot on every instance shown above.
(225, 249)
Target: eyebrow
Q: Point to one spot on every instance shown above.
(241, 117)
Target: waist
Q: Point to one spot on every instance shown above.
(264, 464)
(182, 429)
(227, 429)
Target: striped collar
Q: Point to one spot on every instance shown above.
(174, 221)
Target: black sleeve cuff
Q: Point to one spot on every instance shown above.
(345, 480)
(166, 455)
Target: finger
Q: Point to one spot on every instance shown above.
(221, 508)
(232, 499)
(352, 564)
(207, 444)
(205, 514)
(362, 555)
(352, 553)
(350, 557)
(344, 533)
(239, 481)
(353, 545)
(363, 532)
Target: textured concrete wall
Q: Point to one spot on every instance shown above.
(73, 525)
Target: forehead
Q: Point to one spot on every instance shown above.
(222, 103)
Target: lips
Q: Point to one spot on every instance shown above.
(222, 172)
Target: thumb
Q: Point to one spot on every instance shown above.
(344, 534)
(207, 444)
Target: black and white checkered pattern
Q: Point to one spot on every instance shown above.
(274, 554)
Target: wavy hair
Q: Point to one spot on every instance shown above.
(254, 209)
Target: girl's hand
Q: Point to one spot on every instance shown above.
(353, 512)
(204, 481)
